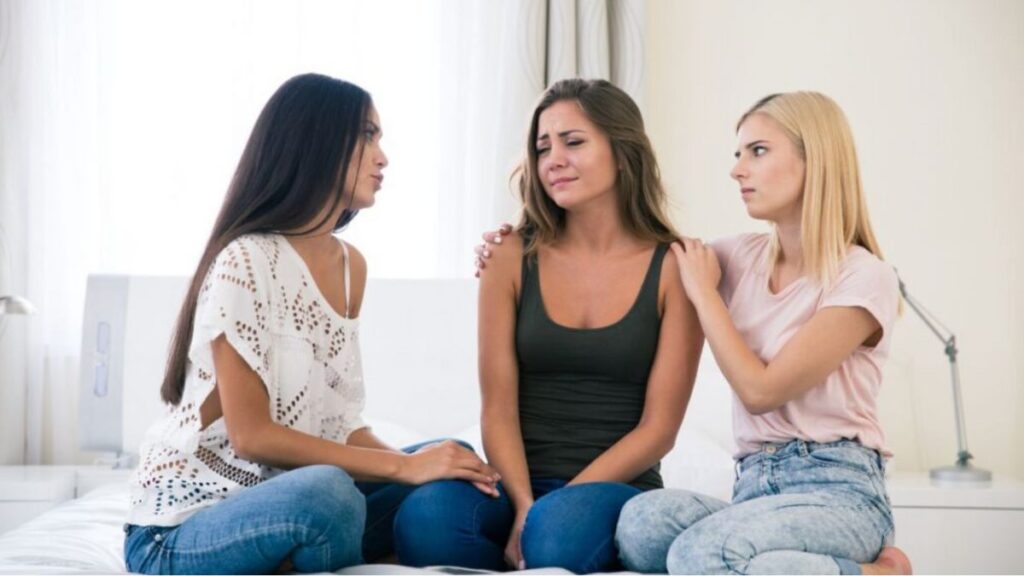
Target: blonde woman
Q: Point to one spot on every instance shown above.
(588, 351)
(800, 322)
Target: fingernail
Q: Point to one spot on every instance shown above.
(497, 239)
(487, 253)
(522, 565)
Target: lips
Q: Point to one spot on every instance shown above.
(379, 178)
(560, 181)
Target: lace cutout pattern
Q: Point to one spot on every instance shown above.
(258, 295)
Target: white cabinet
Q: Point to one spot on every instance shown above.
(959, 530)
(28, 491)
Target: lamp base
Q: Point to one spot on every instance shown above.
(960, 477)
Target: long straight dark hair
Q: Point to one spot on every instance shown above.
(294, 165)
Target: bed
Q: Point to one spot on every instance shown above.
(404, 356)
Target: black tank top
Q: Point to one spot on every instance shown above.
(581, 390)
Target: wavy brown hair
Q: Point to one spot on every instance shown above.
(642, 199)
(294, 164)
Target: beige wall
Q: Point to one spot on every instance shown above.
(934, 90)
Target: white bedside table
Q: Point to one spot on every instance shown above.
(28, 491)
(959, 530)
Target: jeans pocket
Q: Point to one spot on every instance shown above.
(143, 546)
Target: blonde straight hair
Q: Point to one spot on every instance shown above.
(642, 199)
(835, 214)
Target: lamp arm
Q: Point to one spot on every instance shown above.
(963, 455)
(926, 317)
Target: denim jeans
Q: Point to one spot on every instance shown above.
(798, 508)
(452, 523)
(316, 517)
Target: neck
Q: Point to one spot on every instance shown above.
(314, 244)
(791, 249)
(596, 227)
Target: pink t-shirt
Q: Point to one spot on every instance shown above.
(845, 404)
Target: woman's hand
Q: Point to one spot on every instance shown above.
(514, 549)
(698, 268)
(449, 460)
(491, 241)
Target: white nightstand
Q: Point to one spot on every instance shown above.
(28, 491)
(959, 530)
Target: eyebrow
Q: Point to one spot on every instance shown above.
(750, 145)
(561, 134)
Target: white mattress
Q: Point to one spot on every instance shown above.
(82, 536)
(85, 536)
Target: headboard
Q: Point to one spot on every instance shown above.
(418, 344)
(419, 363)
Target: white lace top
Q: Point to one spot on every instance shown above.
(261, 296)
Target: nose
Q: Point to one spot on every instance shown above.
(739, 170)
(555, 158)
(382, 158)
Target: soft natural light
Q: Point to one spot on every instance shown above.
(181, 84)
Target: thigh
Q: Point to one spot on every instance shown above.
(814, 523)
(313, 516)
(574, 527)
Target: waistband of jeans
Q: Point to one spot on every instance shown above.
(805, 447)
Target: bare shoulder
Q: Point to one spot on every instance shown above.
(358, 262)
(670, 273)
(357, 267)
(508, 255)
(670, 287)
(504, 267)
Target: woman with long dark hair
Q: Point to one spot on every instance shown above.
(263, 461)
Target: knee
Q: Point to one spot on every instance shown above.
(426, 524)
(705, 550)
(556, 535)
(544, 543)
(329, 496)
(428, 504)
(462, 443)
(639, 520)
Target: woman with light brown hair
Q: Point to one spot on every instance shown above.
(588, 350)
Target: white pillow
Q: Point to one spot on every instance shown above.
(700, 464)
(395, 434)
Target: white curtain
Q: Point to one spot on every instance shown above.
(501, 56)
(121, 122)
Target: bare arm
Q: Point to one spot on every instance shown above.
(256, 437)
(814, 352)
(499, 387)
(365, 438)
(668, 390)
(499, 373)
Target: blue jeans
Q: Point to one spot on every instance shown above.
(452, 523)
(798, 508)
(317, 517)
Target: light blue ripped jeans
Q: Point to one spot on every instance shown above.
(798, 508)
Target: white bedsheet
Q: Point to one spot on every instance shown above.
(85, 536)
